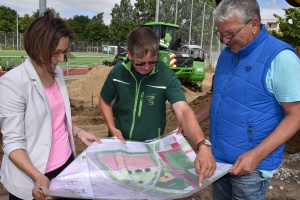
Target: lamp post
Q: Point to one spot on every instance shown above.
(17, 32)
(42, 6)
(211, 38)
(203, 15)
(191, 20)
(17, 28)
(176, 11)
(157, 10)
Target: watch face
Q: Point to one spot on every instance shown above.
(207, 142)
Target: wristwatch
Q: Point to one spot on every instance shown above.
(205, 142)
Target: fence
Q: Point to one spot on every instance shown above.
(80, 61)
(194, 18)
(196, 25)
(91, 47)
(12, 41)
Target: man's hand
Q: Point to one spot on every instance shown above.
(180, 131)
(245, 164)
(205, 163)
(118, 134)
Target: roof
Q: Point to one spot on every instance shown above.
(193, 46)
(161, 23)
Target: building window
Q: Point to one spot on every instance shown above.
(272, 25)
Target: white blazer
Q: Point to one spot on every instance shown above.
(25, 123)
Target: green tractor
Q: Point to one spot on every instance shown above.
(4, 69)
(187, 62)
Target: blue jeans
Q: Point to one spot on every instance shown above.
(246, 187)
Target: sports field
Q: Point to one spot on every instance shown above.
(81, 60)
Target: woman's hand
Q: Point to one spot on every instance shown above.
(88, 138)
(40, 181)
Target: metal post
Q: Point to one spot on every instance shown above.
(157, 11)
(42, 6)
(176, 12)
(17, 28)
(20, 41)
(17, 33)
(202, 25)
(212, 36)
(13, 40)
(191, 20)
(67, 68)
(5, 41)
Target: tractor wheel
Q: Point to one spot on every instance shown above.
(194, 88)
(200, 89)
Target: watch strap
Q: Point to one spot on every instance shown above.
(201, 142)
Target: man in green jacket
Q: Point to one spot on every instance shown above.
(133, 99)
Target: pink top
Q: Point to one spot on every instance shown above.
(60, 149)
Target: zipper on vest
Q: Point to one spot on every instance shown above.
(237, 59)
(141, 104)
(250, 126)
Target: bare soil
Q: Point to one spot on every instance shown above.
(84, 96)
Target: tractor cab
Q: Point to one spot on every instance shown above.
(166, 32)
(189, 69)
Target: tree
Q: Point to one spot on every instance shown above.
(167, 13)
(24, 22)
(27, 19)
(79, 24)
(206, 16)
(167, 9)
(122, 21)
(56, 14)
(289, 27)
(8, 19)
(184, 19)
(144, 11)
(96, 29)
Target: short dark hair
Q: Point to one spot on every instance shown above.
(141, 40)
(42, 37)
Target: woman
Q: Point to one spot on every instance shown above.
(35, 115)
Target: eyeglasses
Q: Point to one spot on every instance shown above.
(153, 62)
(58, 53)
(232, 35)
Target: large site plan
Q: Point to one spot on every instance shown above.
(158, 169)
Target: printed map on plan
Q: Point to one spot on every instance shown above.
(158, 169)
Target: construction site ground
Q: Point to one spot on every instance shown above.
(84, 95)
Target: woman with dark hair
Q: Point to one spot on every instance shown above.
(35, 114)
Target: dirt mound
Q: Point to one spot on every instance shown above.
(87, 88)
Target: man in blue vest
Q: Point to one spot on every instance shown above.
(255, 105)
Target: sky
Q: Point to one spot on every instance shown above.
(69, 8)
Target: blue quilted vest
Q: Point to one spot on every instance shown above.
(243, 112)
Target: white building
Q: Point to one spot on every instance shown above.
(271, 24)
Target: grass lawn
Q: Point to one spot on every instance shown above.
(80, 60)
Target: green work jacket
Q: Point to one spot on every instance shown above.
(139, 104)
